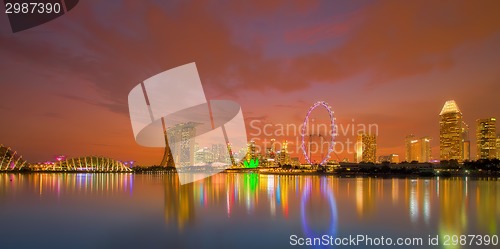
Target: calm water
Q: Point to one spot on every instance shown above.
(236, 210)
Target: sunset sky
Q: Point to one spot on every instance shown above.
(64, 84)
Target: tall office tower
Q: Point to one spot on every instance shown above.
(251, 151)
(182, 136)
(358, 149)
(220, 153)
(450, 132)
(415, 151)
(408, 143)
(203, 156)
(366, 146)
(426, 149)
(498, 146)
(271, 150)
(486, 138)
(418, 149)
(284, 157)
(465, 142)
(466, 150)
(273, 146)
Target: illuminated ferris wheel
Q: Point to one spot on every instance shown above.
(325, 105)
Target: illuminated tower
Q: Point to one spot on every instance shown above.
(486, 138)
(498, 146)
(418, 149)
(251, 151)
(182, 136)
(465, 142)
(426, 149)
(408, 147)
(366, 147)
(273, 148)
(284, 157)
(358, 149)
(450, 132)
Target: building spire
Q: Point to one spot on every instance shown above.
(450, 107)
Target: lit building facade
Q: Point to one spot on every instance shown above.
(408, 148)
(451, 132)
(465, 142)
(486, 138)
(251, 151)
(391, 158)
(418, 149)
(283, 156)
(366, 146)
(182, 143)
(498, 146)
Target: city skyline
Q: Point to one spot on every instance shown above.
(274, 58)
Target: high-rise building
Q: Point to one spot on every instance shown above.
(426, 149)
(182, 143)
(408, 143)
(220, 152)
(486, 138)
(251, 151)
(203, 156)
(283, 156)
(358, 149)
(366, 146)
(465, 142)
(451, 132)
(271, 150)
(498, 146)
(418, 149)
(415, 151)
(466, 150)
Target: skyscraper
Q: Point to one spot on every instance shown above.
(498, 146)
(465, 142)
(182, 136)
(415, 151)
(408, 143)
(418, 149)
(358, 149)
(450, 132)
(284, 157)
(366, 146)
(486, 138)
(426, 149)
(251, 151)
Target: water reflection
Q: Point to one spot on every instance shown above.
(67, 184)
(436, 206)
(269, 205)
(320, 212)
(179, 202)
